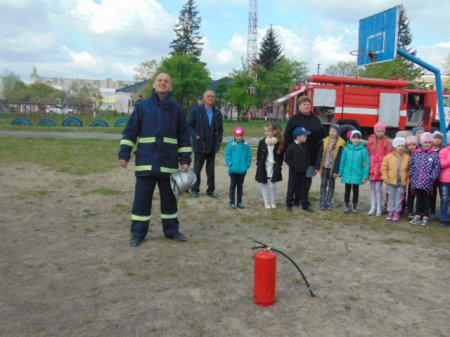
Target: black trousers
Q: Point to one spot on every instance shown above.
(298, 184)
(142, 206)
(422, 202)
(236, 181)
(348, 189)
(199, 161)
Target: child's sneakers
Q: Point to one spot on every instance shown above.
(273, 205)
(390, 216)
(371, 212)
(416, 220)
(347, 209)
(267, 206)
(410, 216)
(232, 205)
(354, 210)
(396, 217)
(241, 205)
(424, 222)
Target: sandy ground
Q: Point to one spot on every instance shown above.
(66, 267)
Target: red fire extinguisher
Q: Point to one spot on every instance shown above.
(264, 291)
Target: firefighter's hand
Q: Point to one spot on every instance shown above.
(335, 175)
(184, 167)
(123, 163)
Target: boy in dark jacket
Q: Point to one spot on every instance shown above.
(297, 158)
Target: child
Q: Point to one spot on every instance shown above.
(269, 161)
(418, 131)
(354, 169)
(378, 146)
(395, 172)
(438, 139)
(412, 142)
(444, 178)
(238, 158)
(327, 164)
(297, 158)
(424, 170)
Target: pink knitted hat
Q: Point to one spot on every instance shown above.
(379, 126)
(239, 131)
(426, 137)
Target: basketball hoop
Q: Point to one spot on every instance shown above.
(362, 52)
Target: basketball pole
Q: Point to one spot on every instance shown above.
(439, 89)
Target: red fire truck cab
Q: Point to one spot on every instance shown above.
(362, 102)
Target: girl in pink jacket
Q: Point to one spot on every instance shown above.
(444, 178)
(379, 145)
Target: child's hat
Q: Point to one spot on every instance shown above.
(355, 132)
(412, 139)
(239, 131)
(336, 127)
(379, 126)
(417, 128)
(300, 131)
(426, 137)
(437, 134)
(398, 141)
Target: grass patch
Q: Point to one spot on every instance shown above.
(107, 191)
(79, 157)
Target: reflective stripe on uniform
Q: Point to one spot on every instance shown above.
(169, 216)
(145, 140)
(141, 168)
(185, 149)
(168, 170)
(140, 217)
(170, 140)
(126, 142)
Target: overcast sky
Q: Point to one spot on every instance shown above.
(108, 38)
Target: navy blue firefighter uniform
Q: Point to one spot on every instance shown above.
(160, 131)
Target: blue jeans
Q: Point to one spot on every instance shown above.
(445, 189)
(326, 188)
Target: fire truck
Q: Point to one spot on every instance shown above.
(362, 102)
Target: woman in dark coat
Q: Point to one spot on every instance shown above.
(269, 161)
(304, 118)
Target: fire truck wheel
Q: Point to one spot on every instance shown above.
(47, 122)
(72, 121)
(120, 122)
(21, 121)
(346, 128)
(99, 122)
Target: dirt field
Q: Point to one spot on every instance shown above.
(66, 267)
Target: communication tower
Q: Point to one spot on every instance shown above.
(252, 38)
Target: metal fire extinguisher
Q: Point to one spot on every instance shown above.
(264, 291)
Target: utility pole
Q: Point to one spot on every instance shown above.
(318, 68)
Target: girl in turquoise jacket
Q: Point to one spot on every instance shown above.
(238, 158)
(354, 169)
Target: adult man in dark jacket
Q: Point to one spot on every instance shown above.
(159, 129)
(206, 129)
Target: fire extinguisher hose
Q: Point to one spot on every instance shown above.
(266, 246)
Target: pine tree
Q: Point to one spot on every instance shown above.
(270, 51)
(187, 40)
(404, 38)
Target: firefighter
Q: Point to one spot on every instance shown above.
(159, 129)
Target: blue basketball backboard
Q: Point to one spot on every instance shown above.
(377, 40)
